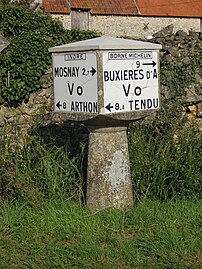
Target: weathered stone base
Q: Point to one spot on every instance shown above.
(108, 175)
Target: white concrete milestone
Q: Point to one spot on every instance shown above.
(106, 83)
(131, 80)
(112, 77)
(75, 82)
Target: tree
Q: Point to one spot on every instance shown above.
(25, 3)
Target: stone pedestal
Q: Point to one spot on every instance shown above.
(108, 174)
(106, 82)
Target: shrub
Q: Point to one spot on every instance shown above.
(27, 58)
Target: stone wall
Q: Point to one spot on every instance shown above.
(135, 27)
(174, 45)
(65, 19)
(37, 111)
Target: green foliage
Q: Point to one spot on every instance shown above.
(23, 3)
(165, 158)
(24, 62)
(27, 58)
(165, 150)
(64, 235)
(32, 170)
(178, 75)
(77, 35)
(165, 165)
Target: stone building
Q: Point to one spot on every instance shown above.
(131, 18)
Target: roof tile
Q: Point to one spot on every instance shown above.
(172, 8)
(117, 7)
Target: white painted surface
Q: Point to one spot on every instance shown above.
(118, 170)
(105, 43)
(131, 80)
(75, 82)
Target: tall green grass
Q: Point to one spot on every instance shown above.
(32, 170)
(166, 165)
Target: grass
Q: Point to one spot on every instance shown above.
(42, 222)
(162, 166)
(166, 165)
(44, 225)
(32, 170)
(65, 235)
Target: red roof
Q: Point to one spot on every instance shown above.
(55, 6)
(118, 7)
(171, 8)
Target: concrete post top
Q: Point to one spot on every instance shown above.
(106, 81)
(106, 43)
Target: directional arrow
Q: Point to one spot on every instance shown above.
(109, 107)
(153, 63)
(58, 105)
(93, 71)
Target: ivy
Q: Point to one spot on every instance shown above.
(26, 59)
